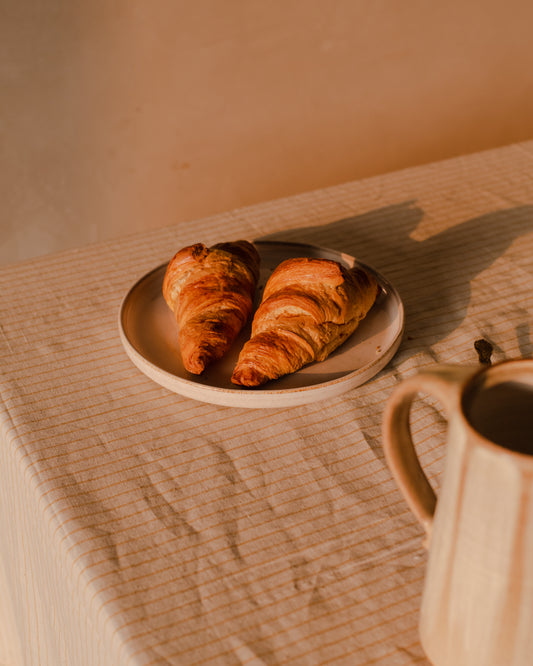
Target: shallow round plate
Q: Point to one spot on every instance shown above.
(149, 333)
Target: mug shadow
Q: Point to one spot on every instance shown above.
(434, 275)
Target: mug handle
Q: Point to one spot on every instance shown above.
(444, 382)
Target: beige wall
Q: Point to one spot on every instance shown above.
(119, 116)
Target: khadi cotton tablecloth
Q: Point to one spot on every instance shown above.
(139, 526)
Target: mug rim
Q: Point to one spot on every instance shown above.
(499, 369)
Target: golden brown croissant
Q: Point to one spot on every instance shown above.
(211, 292)
(309, 307)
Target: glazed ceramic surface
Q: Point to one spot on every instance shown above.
(477, 606)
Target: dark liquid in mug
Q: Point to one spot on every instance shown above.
(503, 414)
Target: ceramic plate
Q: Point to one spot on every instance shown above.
(149, 333)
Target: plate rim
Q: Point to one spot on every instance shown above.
(246, 397)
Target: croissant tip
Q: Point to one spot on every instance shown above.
(248, 377)
(195, 364)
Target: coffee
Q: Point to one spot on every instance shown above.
(503, 414)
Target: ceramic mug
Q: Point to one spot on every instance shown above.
(477, 603)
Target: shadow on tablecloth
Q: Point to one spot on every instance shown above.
(434, 275)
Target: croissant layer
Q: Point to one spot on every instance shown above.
(210, 291)
(309, 308)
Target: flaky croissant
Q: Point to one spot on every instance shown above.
(309, 308)
(211, 292)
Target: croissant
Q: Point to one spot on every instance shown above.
(211, 292)
(309, 308)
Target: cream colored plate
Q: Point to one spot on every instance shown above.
(149, 334)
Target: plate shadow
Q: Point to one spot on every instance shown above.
(440, 269)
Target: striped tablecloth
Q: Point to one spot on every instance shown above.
(138, 526)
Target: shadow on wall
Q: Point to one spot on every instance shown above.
(433, 275)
